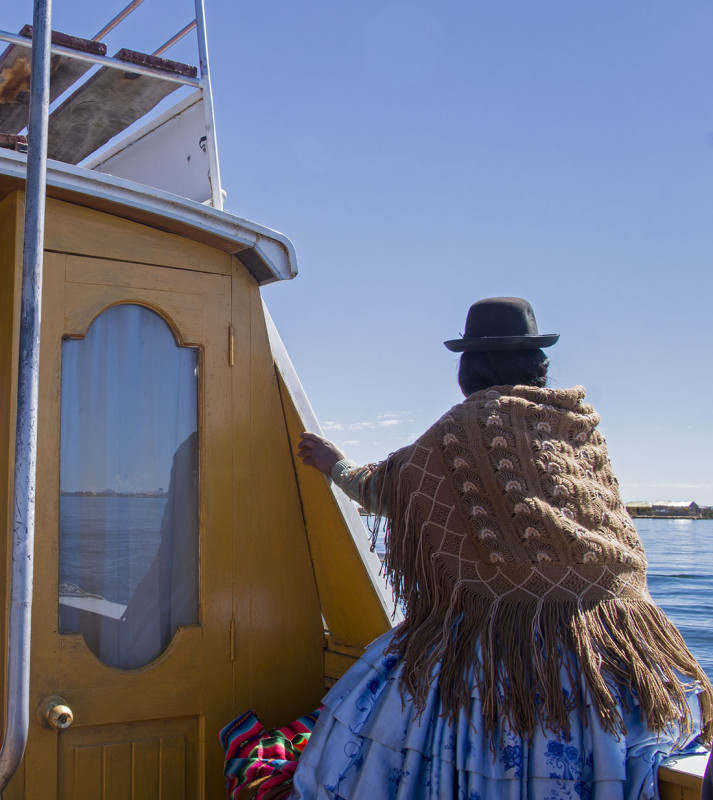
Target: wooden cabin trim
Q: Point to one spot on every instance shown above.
(681, 778)
(82, 231)
(279, 634)
(338, 658)
(346, 570)
(268, 255)
(346, 576)
(152, 764)
(335, 665)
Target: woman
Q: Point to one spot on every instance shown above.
(531, 661)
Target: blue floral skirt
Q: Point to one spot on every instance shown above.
(369, 745)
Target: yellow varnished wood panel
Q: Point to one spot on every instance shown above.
(91, 300)
(10, 185)
(216, 536)
(244, 676)
(140, 761)
(16, 787)
(87, 774)
(42, 743)
(675, 785)
(144, 217)
(111, 273)
(10, 279)
(147, 761)
(173, 769)
(94, 706)
(335, 665)
(84, 231)
(75, 655)
(117, 766)
(343, 581)
(279, 635)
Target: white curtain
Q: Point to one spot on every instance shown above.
(129, 471)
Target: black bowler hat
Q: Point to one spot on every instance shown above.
(501, 323)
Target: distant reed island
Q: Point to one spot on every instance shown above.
(669, 510)
(112, 493)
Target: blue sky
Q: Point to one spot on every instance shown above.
(423, 155)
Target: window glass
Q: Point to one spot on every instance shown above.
(128, 509)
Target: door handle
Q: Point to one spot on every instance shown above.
(55, 713)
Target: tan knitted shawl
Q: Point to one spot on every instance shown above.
(508, 543)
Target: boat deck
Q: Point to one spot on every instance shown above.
(682, 778)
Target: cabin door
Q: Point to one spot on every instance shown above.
(132, 608)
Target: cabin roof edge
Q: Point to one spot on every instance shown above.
(270, 256)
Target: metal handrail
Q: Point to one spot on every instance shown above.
(203, 83)
(176, 38)
(17, 702)
(117, 19)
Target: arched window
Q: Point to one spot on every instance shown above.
(129, 486)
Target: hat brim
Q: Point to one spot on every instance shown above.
(527, 342)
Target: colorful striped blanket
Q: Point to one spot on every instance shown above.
(260, 764)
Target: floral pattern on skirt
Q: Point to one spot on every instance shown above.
(368, 745)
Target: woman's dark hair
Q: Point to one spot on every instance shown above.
(482, 369)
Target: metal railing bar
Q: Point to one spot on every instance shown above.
(117, 19)
(191, 26)
(23, 526)
(216, 189)
(115, 63)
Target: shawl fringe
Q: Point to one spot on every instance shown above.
(516, 650)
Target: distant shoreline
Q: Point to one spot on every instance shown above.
(110, 493)
(665, 516)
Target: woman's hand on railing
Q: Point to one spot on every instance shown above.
(318, 452)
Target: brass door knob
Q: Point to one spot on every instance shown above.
(55, 713)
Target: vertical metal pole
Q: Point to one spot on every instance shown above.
(23, 530)
(211, 141)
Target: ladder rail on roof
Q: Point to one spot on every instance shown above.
(175, 38)
(206, 87)
(203, 83)
(122, 15)
(106, 61)
(17, 702)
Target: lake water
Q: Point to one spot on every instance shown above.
(109, 542)
(680, 575)
(680, 555)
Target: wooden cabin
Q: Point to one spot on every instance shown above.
(286, 592)
(187, 567)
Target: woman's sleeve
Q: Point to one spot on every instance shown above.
(357, 483)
